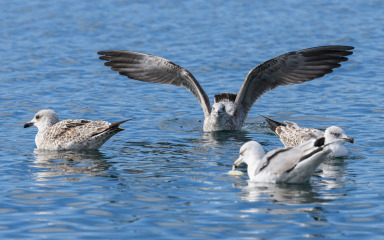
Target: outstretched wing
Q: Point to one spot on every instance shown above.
(154, 69)
(288, 69)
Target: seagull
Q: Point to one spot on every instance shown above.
(291, 135)
(71, 134)
(282, 165)
(230, 110)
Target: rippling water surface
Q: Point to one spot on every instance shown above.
(163, 177)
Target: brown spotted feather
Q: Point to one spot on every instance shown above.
(71, 134)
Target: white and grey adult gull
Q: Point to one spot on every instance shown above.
(282, 165)
(291, 135)
(229, 110)
(71, 134)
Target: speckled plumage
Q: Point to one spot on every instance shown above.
(71, 134)
(291, 135)
(229, 111)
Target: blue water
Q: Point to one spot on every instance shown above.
(163, 177)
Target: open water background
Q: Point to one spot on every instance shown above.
(163, 177)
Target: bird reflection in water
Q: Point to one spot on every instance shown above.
(286, 199)
(281, 193)
(74, 165)
(223, 137)
(332, 172)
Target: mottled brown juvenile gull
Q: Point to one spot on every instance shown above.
(71, 134)
(291, 135)
(282, 165)
(229, 110)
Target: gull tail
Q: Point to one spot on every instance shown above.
(272, 124)
(116, 124)
(112, 129)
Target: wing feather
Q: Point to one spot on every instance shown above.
(154, 69)
(288, 69)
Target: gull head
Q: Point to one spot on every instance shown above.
(221, 118)
(43, 119)
(221, 115)
(336, 134)
(218, 110)
(250, 153)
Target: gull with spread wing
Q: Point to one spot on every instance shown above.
(229, 110)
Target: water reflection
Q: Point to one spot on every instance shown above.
(286, 198)
(332, 172)
(224, 136)
(68, 163)
(289, 194)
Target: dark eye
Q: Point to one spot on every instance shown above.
(335, 134)
(38, 116)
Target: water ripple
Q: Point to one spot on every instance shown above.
(163, 177)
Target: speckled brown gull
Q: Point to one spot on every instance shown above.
(282, 165)
(71, 134)
(291, 135)
(229, 110)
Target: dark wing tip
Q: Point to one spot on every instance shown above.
(105, 58)
(319, 142)
(107, 53)
(334, 50)
(331, 47)
(111, 52)
(319, 61)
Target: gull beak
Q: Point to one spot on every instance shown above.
(349, 139)
(28, 124)
(237, 163)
